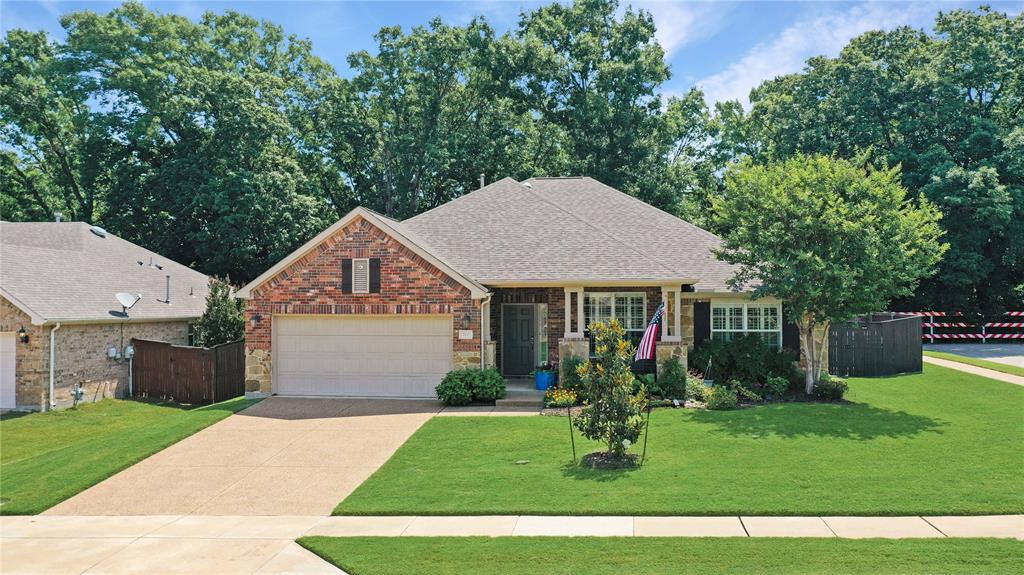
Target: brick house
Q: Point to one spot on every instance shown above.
(57, 286)
(508, 276)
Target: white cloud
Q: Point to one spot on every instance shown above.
(681, 24)
(817, 35)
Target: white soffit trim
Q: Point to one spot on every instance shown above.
(476, 290)
(570, 283)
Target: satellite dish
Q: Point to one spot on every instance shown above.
(128, 300)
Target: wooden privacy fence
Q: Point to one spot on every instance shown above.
(194, 375)
(874, 345)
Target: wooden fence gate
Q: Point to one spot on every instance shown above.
(875, 345)
(193, 375)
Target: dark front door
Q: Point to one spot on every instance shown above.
(517, 335)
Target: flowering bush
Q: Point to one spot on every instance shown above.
(559, 397)
(612, 413)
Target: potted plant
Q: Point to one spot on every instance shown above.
(544, 375)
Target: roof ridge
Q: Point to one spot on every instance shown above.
(638, 200)
(600, 230)
(450, 202)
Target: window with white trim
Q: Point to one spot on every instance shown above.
(361, 275)
(731, 319)
(630, 308)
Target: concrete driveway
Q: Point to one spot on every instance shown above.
(283, 456)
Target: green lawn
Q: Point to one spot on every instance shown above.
(942, 442)
(658, 556)
(47, 457)
(993, 365)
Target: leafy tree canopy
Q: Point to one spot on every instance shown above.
(946, 108)
(830, 237)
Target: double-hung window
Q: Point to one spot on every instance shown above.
(630, 308)
(731, 319)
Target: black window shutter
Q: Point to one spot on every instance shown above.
(701, 322)
(346, 275)
(374, 275)
(791, 336)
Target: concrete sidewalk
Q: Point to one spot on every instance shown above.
(246, 544)
(1008, 526)
(989, 373)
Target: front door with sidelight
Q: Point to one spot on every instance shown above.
(517, 336)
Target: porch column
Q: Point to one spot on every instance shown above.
(670, 328)
(569, 333)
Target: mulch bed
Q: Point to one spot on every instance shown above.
(605, 460)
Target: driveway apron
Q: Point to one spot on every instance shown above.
(283, 456)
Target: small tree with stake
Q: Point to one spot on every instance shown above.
(612, 413)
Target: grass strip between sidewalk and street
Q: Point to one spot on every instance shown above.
(665, 556)
(993, 365)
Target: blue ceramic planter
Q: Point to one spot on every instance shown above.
(544, 379)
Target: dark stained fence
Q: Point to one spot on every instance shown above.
(193, 375)
(875, 345)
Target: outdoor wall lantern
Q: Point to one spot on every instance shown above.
(22, 335)
(255, 321)
(466, 319)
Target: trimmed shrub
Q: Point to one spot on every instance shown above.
(454, 389)
(487, 385)
(463, 386)
(776, 386)
(570, 373)
(672, 382)
(720, 398)
(746, 359)
(830, 388)
(695, 386)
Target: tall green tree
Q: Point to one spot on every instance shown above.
(199, 140)
(431, 111)
(947, 108)
(830, 237)
(224, 318)
(595, 73)
(54, 154)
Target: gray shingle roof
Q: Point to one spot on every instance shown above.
(554, 229)
(62, 271)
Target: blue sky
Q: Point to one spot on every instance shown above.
(726, 48)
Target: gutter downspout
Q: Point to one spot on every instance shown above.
(53, 354)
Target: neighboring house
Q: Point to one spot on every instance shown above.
(58, 283)
(507, 276)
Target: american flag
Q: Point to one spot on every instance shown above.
(646, 348)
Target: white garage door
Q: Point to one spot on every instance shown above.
(8, 348)
(361, 356)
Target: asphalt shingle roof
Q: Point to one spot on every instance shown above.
(63, 271)
(554, 229)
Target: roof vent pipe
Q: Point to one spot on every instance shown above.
(58, 216)
(167, 298)
(481, 179)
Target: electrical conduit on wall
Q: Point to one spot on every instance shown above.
(53, 354)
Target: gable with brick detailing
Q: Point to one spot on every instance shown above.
(508, 276)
